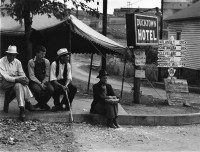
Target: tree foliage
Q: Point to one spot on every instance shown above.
(16, 8)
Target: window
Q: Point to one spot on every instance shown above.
(179, 70)
(178, 35)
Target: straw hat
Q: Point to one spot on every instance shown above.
(12, 49)
(62, 52)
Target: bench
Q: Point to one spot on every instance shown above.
(8, 96)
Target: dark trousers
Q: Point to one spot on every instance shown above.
(42, 95)
(57, 92)
(109, 110)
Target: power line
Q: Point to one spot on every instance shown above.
(130, 4)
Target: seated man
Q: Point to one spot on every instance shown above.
(105, 102)
(15, 79)
(39, 71)
(61, 78)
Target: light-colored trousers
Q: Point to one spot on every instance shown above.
(23, 92)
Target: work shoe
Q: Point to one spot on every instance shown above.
(186, 105)
(56, 108)
(45, 107)
(110, 124)
(116, 124)
(21, 114)
(36, 106)
(29, 106)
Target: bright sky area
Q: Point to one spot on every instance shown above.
(112, 4)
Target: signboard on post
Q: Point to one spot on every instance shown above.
(142, 30)
(177, 91)
(172, 53)
(140, 58)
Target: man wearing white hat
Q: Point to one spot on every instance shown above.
(15, 79)
(61, 78)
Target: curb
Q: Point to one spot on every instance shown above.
(191, 89)
(135, 120)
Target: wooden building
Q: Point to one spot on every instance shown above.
(185, 25)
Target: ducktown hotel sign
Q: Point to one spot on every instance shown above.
(141, 30)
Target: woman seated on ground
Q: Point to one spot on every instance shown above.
(105, 102)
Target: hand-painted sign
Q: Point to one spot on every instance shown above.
(140, 73)
(140, 58)
(141, 30)
(171, 72)
(171, 53)
(177, 91)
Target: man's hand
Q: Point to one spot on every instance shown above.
(43, 86)
(22, 80)
(64, 88)
(112, 101)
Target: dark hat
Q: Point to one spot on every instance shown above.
(102, 73)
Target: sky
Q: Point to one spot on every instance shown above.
(112, 4)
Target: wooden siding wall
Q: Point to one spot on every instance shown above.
(190, 32)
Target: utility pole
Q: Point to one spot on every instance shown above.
(161, 31)
(104, 32)
(77, 11)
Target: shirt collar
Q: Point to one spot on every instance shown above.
(34, 58)
(8, 61)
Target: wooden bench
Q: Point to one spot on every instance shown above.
(8, 96)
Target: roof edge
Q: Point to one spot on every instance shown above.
(182, 19)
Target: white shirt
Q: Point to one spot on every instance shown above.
(61, 71)
(11, 71)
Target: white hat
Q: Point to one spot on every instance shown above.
(12, 49)
(62, 52)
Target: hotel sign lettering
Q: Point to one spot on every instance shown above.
(144, 29)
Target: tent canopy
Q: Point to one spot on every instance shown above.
(83, 38)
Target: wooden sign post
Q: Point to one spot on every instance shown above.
(141, 30)
(171, 54)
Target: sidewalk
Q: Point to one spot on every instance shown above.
(81, 113)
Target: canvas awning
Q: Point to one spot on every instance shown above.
(83, 38)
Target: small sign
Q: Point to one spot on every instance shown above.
(140, 73)
(140, 58)
(177, 91)
(171, 72)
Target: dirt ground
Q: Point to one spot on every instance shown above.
(35, 136)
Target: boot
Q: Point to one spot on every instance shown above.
(115, 123)
(45, 107)
(21, 114)
(29, 106)
(111, 124)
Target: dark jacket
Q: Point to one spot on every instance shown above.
(98, 96)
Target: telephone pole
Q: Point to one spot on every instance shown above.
(161, 32)
(104, 32)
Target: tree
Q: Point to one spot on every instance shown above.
(26, 9)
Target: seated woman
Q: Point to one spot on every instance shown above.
(105, 102)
